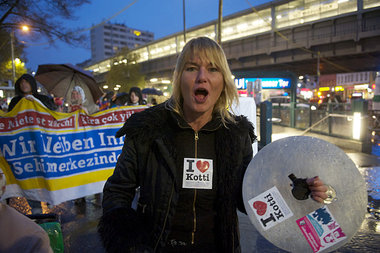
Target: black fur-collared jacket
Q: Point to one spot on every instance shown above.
(148, 160)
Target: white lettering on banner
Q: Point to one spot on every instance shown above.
(58, 147)
(127, 114)
(111, 140)
(88, 120)
(38, 164)
(197, 173)
(110, 118)
(49, 146)
(29, 120)
(38, 144)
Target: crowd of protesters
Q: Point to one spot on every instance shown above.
(26, 86)
(111, 100)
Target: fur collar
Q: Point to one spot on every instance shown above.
(152, 121)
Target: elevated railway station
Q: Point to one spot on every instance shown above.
(339, 36)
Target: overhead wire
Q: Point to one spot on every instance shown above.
(113, 16)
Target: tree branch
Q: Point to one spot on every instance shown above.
(9, 11)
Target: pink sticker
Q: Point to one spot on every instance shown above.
(320, 229)
(310, 234)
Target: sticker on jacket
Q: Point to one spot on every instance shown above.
(270, 208)
(321, 229)
(197, 173)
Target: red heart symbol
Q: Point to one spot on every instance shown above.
(260, 207)
(202, 166)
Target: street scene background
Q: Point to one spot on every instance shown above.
(309, 68)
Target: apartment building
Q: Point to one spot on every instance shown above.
(108, 39)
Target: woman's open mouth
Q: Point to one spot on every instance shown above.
(201, 95)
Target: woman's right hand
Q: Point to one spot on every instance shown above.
(318, 189)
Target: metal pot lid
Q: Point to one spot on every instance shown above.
(304, 225)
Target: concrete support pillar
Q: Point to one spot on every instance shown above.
(265, 123)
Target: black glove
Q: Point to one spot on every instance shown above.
(300, 188)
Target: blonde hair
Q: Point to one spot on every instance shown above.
(206, 49)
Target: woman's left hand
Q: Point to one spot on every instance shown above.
(318, 189)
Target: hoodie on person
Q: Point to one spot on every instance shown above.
(47, 101)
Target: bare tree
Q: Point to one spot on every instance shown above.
(45, 17)
(46, 20)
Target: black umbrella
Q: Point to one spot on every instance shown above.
(152, 91)
(59, 79)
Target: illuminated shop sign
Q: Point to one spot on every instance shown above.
(266, 83)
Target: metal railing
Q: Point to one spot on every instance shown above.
(329, 119)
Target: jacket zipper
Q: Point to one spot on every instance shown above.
(196, 138)
(166, 218)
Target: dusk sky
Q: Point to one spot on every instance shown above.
(162, 17)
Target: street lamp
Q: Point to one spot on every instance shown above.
(220, 20)
(13, 57)
(184, 21)
(24, 28)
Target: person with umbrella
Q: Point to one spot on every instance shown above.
(152, 91)
(60, 79)
(26, 87)
(135, 97)
(78, 101)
